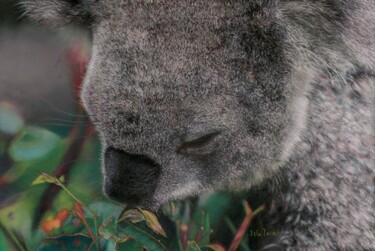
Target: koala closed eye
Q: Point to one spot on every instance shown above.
(199, 146)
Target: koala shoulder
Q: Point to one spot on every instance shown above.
(328, 201)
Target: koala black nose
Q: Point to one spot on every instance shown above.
(129, 178)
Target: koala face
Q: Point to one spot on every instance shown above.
(187, 96)
(184, 99)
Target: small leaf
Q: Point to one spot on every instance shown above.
(193, 246)
(62, 179)
(11, 121)
(153, 223)
(110, 245)
(44, 178)
(206, 229)
(172, 207)
(216, 247)
(33, 143)
(148, 240)
(215, 205)
(4, 244)
(129, 245)
(105, 209)
(132, 215)
(108, 229)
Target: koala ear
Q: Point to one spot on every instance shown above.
(59, 12)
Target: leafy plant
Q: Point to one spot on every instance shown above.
(78, 223)
(50, 196)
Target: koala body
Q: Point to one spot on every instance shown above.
(201, 95)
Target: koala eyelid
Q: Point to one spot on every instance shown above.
(197, 143)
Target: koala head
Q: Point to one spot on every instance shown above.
(187, 96)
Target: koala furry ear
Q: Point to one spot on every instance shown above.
(59, 12)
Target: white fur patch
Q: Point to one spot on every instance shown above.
(298, 107)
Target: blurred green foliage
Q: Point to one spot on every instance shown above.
(50, 199)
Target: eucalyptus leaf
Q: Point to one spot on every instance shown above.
(108, 229)
(144, 237)
(106, 209)
(44, 178)
(153, 222)
(33, 143)
(206, 229)
(133, 215)
(193, 246)
(4, 244)
(71, 243)
(129, 245)
(110, 245)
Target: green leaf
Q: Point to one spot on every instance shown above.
(105, 209)
(44, 178)
(11, 121)
(215, 205)
(172, 230)
(132, 215)
(110, 245)
(153, 222)
(129, 245)
(144, 237)
(4, 245)
(206, 229)
(108, 229)
(71, 243)
(138, 215)
(33, 143)
(193, 246)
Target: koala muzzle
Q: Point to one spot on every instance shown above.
(130, 178)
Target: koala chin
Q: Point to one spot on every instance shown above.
(195, 96)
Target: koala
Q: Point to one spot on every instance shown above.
(196, 96)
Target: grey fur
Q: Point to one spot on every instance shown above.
(166, 72)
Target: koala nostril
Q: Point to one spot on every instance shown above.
(130, 178)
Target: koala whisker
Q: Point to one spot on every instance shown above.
(62, 111)
(55, 124)
(66, 120)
